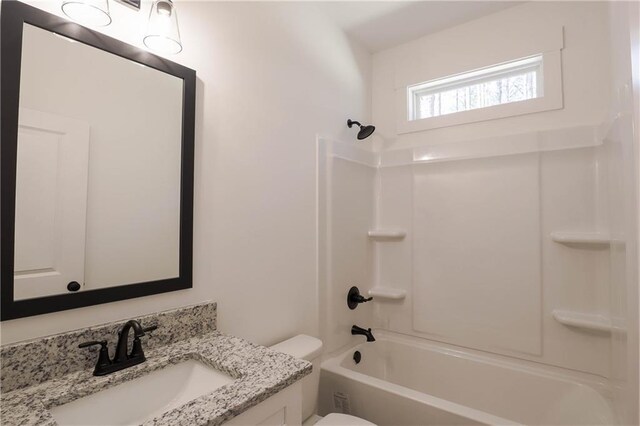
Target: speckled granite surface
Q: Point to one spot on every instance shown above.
(35, 361)
(259, 373)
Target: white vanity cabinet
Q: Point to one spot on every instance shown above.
(283, 408)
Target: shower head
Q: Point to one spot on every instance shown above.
(365, 131)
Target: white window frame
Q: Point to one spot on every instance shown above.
(550, 97)
(479, 76)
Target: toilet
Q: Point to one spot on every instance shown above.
(309, 348)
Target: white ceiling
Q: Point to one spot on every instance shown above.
(379, 25)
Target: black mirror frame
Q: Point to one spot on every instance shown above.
(12, 19)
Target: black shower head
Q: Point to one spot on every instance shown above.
(365, 131)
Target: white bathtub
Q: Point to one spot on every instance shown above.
(408, 381)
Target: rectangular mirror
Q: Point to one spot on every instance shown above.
(97, 167)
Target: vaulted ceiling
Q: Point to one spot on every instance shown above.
(379, 25)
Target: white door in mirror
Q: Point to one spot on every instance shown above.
(51, 203)
(144, 398)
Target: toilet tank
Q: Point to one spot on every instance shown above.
(307, 348)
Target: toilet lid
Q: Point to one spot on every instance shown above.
(336, 419)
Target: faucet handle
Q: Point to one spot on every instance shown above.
(354, 298)
(102, 343)
(150, 328)
(103, 357)
(136, 350)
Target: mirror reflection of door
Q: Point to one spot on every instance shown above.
(51, 203)
(98, 169)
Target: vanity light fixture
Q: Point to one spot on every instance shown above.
(94, 13)
(162, 33)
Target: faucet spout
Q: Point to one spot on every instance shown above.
(123, 341)
(355, 330)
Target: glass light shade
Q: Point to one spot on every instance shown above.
(93, 13)
(163, 34)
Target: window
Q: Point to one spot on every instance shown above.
(505, 83)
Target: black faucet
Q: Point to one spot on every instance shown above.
(363, 331)
(121, 359)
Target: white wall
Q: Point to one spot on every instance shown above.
(270, 76)
(493, 39)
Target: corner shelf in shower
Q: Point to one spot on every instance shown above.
(387, 234)
(387, 293)
(592, 238)
(592, 322)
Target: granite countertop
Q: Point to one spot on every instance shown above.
(259, 372)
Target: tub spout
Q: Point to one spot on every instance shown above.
(363, 331)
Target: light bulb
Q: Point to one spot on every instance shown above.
(163, 34)
(93, 13)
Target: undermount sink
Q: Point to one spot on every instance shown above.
(143, 398)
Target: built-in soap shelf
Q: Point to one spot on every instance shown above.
(387, 234)
(594, 322)
(388, 293)
(591, 238)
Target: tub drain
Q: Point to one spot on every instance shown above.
(357, 356)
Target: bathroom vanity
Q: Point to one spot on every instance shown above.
(193, 375)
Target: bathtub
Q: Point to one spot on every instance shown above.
(402, 380)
